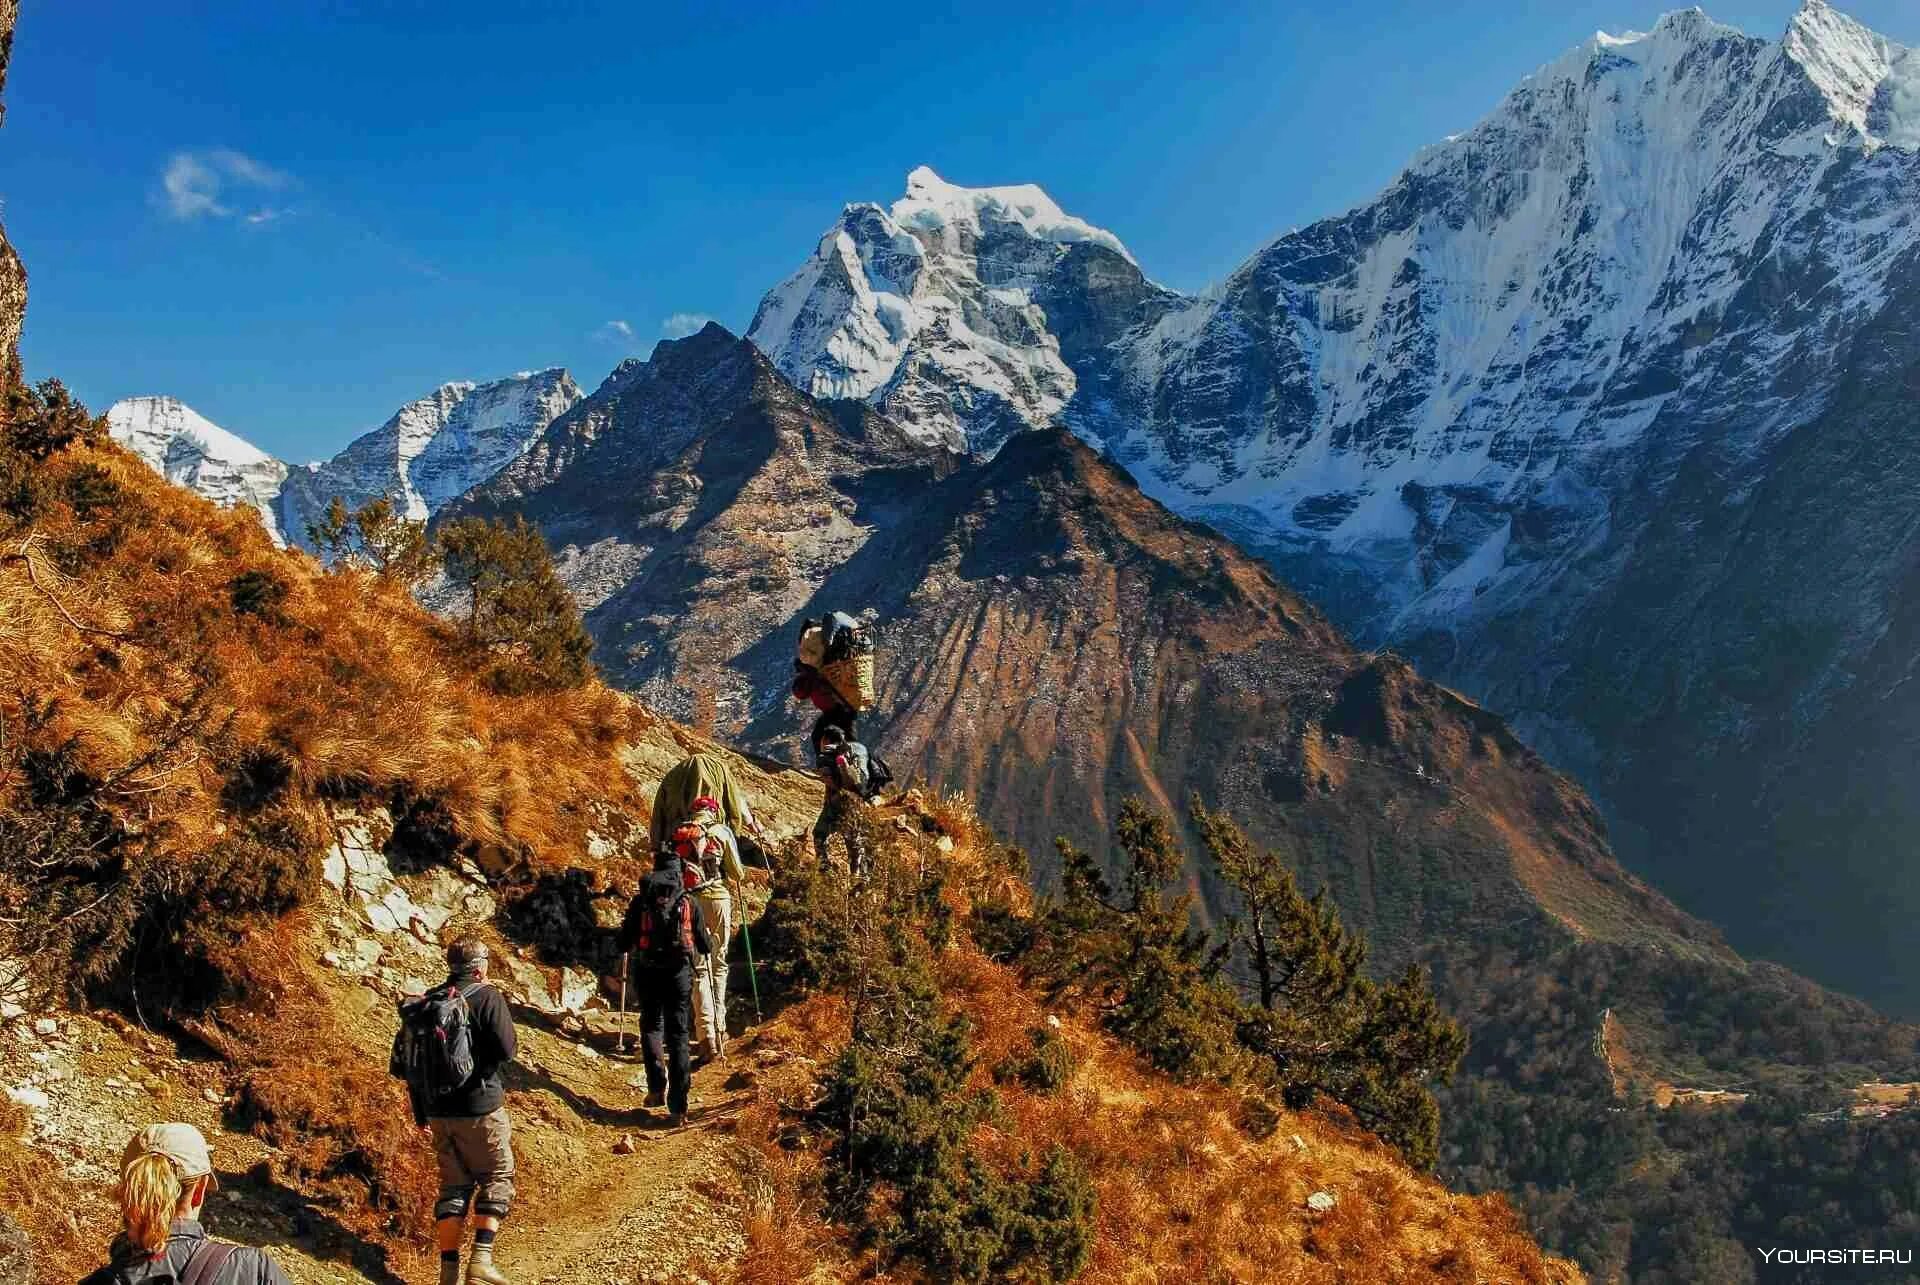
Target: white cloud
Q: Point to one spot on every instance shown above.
(197, 185)
(616, 332)
(682, 324)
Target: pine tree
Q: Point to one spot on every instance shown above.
(518, 612)
(376, 537)
(1321, 1022)
(1137, 957)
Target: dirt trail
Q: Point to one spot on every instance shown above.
(593, 1215)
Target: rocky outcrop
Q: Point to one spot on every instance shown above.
(13, 274)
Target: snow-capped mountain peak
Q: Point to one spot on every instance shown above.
(935, 205)
(949, 308)
(429, 452)
(191, 450)
(153, 426)
(1870, 83)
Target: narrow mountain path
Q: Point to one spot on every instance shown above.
(612, 1195)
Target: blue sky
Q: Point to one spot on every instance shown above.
(296, 216)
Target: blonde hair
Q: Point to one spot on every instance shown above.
(150, 1192)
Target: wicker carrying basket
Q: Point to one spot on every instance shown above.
(853, 678)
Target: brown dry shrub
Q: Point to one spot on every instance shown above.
(340, 1125)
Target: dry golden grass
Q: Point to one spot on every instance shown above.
(351, 687)
(1199, 1183)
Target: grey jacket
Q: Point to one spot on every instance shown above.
(246, 1267)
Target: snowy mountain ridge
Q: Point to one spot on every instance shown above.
(190, 450)
(429, 452)
(1525, 415)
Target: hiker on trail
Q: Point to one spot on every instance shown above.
(834, 670)
(166, 1175)
(454, 1043)
(702, 811)
(698, 776)
(709, 853)
(664, 936)
(854, 778)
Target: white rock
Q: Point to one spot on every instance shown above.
(10, 1010)
(1321, 1201)
(30, 1097)
(46, 1026)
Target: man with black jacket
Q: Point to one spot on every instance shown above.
(472, 1133)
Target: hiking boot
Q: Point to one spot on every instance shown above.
(450, 1271)
(480, 1268)
(655, 1098)
(677, 1120)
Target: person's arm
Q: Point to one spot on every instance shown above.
(630, 926)
(504, 1036)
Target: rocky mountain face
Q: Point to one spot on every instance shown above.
(13, 275)
(435, 449)
(1596, 413)
(696, 502)
(431, 451)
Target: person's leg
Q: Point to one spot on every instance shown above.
(823, 828)
(489, 1145)
(703, 1023)
(654, 1003)
(456, 1192)
(679, 989)
(717, 962)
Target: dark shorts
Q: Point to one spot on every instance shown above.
(476, 1164)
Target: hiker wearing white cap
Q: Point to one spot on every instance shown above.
(165, 1176)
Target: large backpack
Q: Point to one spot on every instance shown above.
(851, 766)
(697, 848)
(663, 936)
(433, 1051)
(840, 649)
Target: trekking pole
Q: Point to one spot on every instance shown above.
(746, 940)
(622, 1044)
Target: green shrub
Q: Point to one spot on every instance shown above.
(903, 1165)
(520, 621)
(1046, 1065)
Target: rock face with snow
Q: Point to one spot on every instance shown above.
(431, 451)
(964, 314)
(1601, 411)
(192, 451)
(436, 448)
